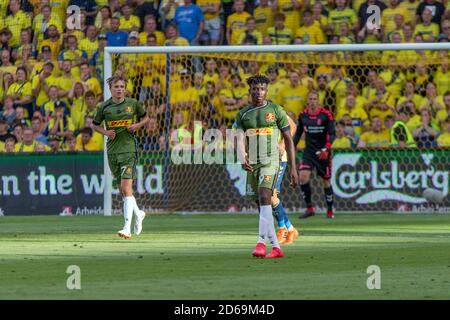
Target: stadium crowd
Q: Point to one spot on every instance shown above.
(51, 68)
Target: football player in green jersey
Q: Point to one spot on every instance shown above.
(258, 126)
(119, 114)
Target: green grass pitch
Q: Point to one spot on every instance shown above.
(209, 257)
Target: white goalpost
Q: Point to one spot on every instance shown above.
(110, 51)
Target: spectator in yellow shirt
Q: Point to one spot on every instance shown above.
(48, 108)
(442, 76)
(77, 103)
(41, 83)
(410, 8)
(129, 22)
(54, 42)
(21, 91)
(73, 54)
(369, 91)
(60, 124)
(444, 113)
(28, 143)
(276, 84)
(25, 41)
(388, 17)
(394, 77)
(341, 141)
(357, 114)
(211, 71)
(224, 81)
(432, 101)
(250, 32)
(279, 33)
(346, 36)
(84, 141)
(90, 43)
(16, 21)
(263, 14)
(310, 30)
(10, 145)
(6, 66)
(186, 98)
(342, 13)
(103, 19)
(376, 137)
(172, 37)
(338, 83)
(69, 144)
(293, 96)
(41, 23)
(291, 11)
(409, 94)
(54, 142)
(383, 103)
(444, 138)
(427, 131)
(233, 99)
(59, 8)
(90, 83)
(150, 28)
(408, 33)
(427, 29)
(236, 23)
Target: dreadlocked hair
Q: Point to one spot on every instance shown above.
(257, 79)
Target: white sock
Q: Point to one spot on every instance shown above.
(262, 236)
(266, 213)
(136, 209)
(128, 212)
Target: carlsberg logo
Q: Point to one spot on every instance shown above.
(385, 182)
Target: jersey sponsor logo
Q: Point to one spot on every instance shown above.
(119, 123)
(270, 117)
(129, 109)
(259, 132)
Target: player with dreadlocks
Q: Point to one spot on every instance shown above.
(258, 126)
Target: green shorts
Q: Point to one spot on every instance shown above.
(122, 165)
(262, 177)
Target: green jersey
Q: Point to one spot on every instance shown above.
(262, 127)
(119, 116)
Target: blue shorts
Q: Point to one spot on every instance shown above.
(281, 172)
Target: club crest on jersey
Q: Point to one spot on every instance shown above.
(270, 117)
(319, 122)
(129, 109)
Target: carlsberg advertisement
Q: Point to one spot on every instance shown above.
(390, 180)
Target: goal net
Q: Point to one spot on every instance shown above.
(187, 91)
